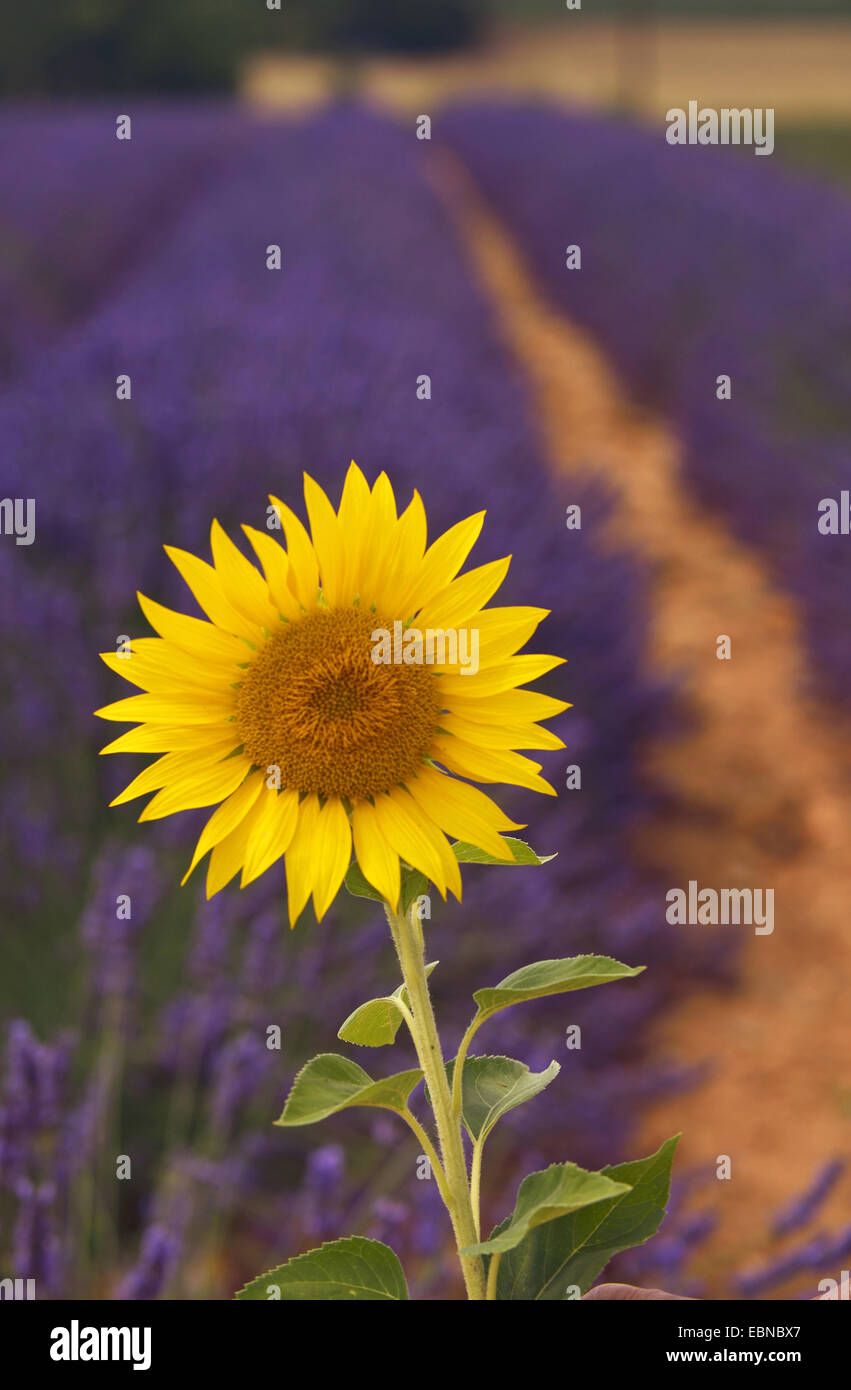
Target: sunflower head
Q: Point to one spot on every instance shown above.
(340, 698)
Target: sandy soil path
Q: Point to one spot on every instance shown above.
(760, 786)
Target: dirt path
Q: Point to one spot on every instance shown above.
(760, 782)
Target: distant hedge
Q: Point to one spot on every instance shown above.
(196, 45)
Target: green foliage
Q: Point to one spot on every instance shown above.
(574, 1249)
(491, 1086)
(360, 887)
(352, 1270)
(567, 1222)
(547, 977)
(126, 45)
(376, 1023)
(131, 46)
(523, 854)
(385, 25)
(329, 1083)
(555, 1192)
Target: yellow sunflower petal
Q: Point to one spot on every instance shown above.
(226, 818)
(197, 708)
(276, 568)
(518, 670)
(436, 837)
(227, 856)
(167, 738)
(379, 863)
(490, 765)
(242, 584)
(333, 853)
(207, 587)
(208, 786)
(503, 631)
(275, 816)
(353, 514)
(379, 527)
(403, 831)
(441, 563)
(521, 706)
(405, 554)
(304, 570)
(499, 735)
(464, 811)
(299, 861)
(465, 596)
(327, 542)
(165, 770)
(193, 635)
(164, 667)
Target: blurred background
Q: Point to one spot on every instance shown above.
(436, 247)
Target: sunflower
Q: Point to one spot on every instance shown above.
(277, 712)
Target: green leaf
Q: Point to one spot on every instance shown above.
(546, 1196)
(358, 886)
(329, 1083)
(574, 1250)
(552, 977)
(414, 885)
(491, 1086)
(376, 1023)
(523, 854)
(342, 1271)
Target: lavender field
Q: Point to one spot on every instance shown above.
(142, 1037)
(693, 267)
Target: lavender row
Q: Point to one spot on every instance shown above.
(698, 264)
(84, 206)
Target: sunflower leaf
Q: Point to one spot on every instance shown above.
(373, 1024)
(358, 886)
(491, 1086)
(414, 885)
(523, 853)
(342, 1271)
(542, 1197)
(547, 977)
(376, 1023)
(329, 1083)
(574, 1250)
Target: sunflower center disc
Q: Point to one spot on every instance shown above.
(315, 704)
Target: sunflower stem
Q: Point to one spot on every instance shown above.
(460, 1059)
(409, 949)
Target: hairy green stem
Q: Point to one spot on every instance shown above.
(460, 1059)
(409, 948)
(476, 1185)
(430, 1153)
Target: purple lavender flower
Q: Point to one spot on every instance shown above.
(157, 1258)
(802, 1209)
